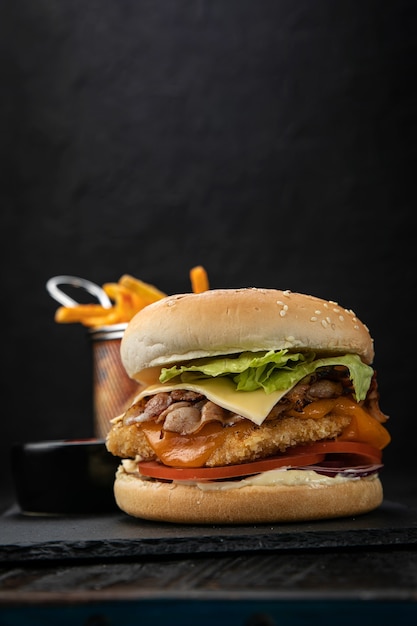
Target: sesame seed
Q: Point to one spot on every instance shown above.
(286, 292)
(318, 312)
(285, 307)
(280, 302)
(336, 309)
(341, 318)
(328, 319)
(326, 306)
(356, 327)
(282, 313)
(324, 323)
(313, 319)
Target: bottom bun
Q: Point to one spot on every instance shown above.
(188, 504)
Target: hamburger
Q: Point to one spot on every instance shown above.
(255, 406)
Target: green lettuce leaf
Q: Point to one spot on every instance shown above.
(271, 370)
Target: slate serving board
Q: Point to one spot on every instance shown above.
(116, 535)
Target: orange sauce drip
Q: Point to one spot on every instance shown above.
(363, 427)
(192, 450)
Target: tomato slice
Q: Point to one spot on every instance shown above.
(326, 453)
(153, 469)
(354, 452)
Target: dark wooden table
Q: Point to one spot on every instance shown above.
(102, 570)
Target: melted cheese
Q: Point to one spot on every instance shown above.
(254, 405)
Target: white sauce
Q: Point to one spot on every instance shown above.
(282, 476)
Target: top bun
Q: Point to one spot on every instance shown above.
(228, 321)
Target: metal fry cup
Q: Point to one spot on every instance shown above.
(113, 390)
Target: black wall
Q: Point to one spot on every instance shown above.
(272, 141)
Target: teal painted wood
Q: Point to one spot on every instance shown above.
(219, 612)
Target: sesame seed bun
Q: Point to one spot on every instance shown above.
(227, 321)
(188, 504)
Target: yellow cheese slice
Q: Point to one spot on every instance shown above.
(254, 405)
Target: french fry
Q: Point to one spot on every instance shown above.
(107, 320)
(79, 313)
(199, 279)
(127, 303)
(148, 293)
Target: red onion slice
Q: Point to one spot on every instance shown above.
(333, 470)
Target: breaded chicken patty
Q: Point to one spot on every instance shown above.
(241, 445)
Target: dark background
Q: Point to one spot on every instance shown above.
(272, 142)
